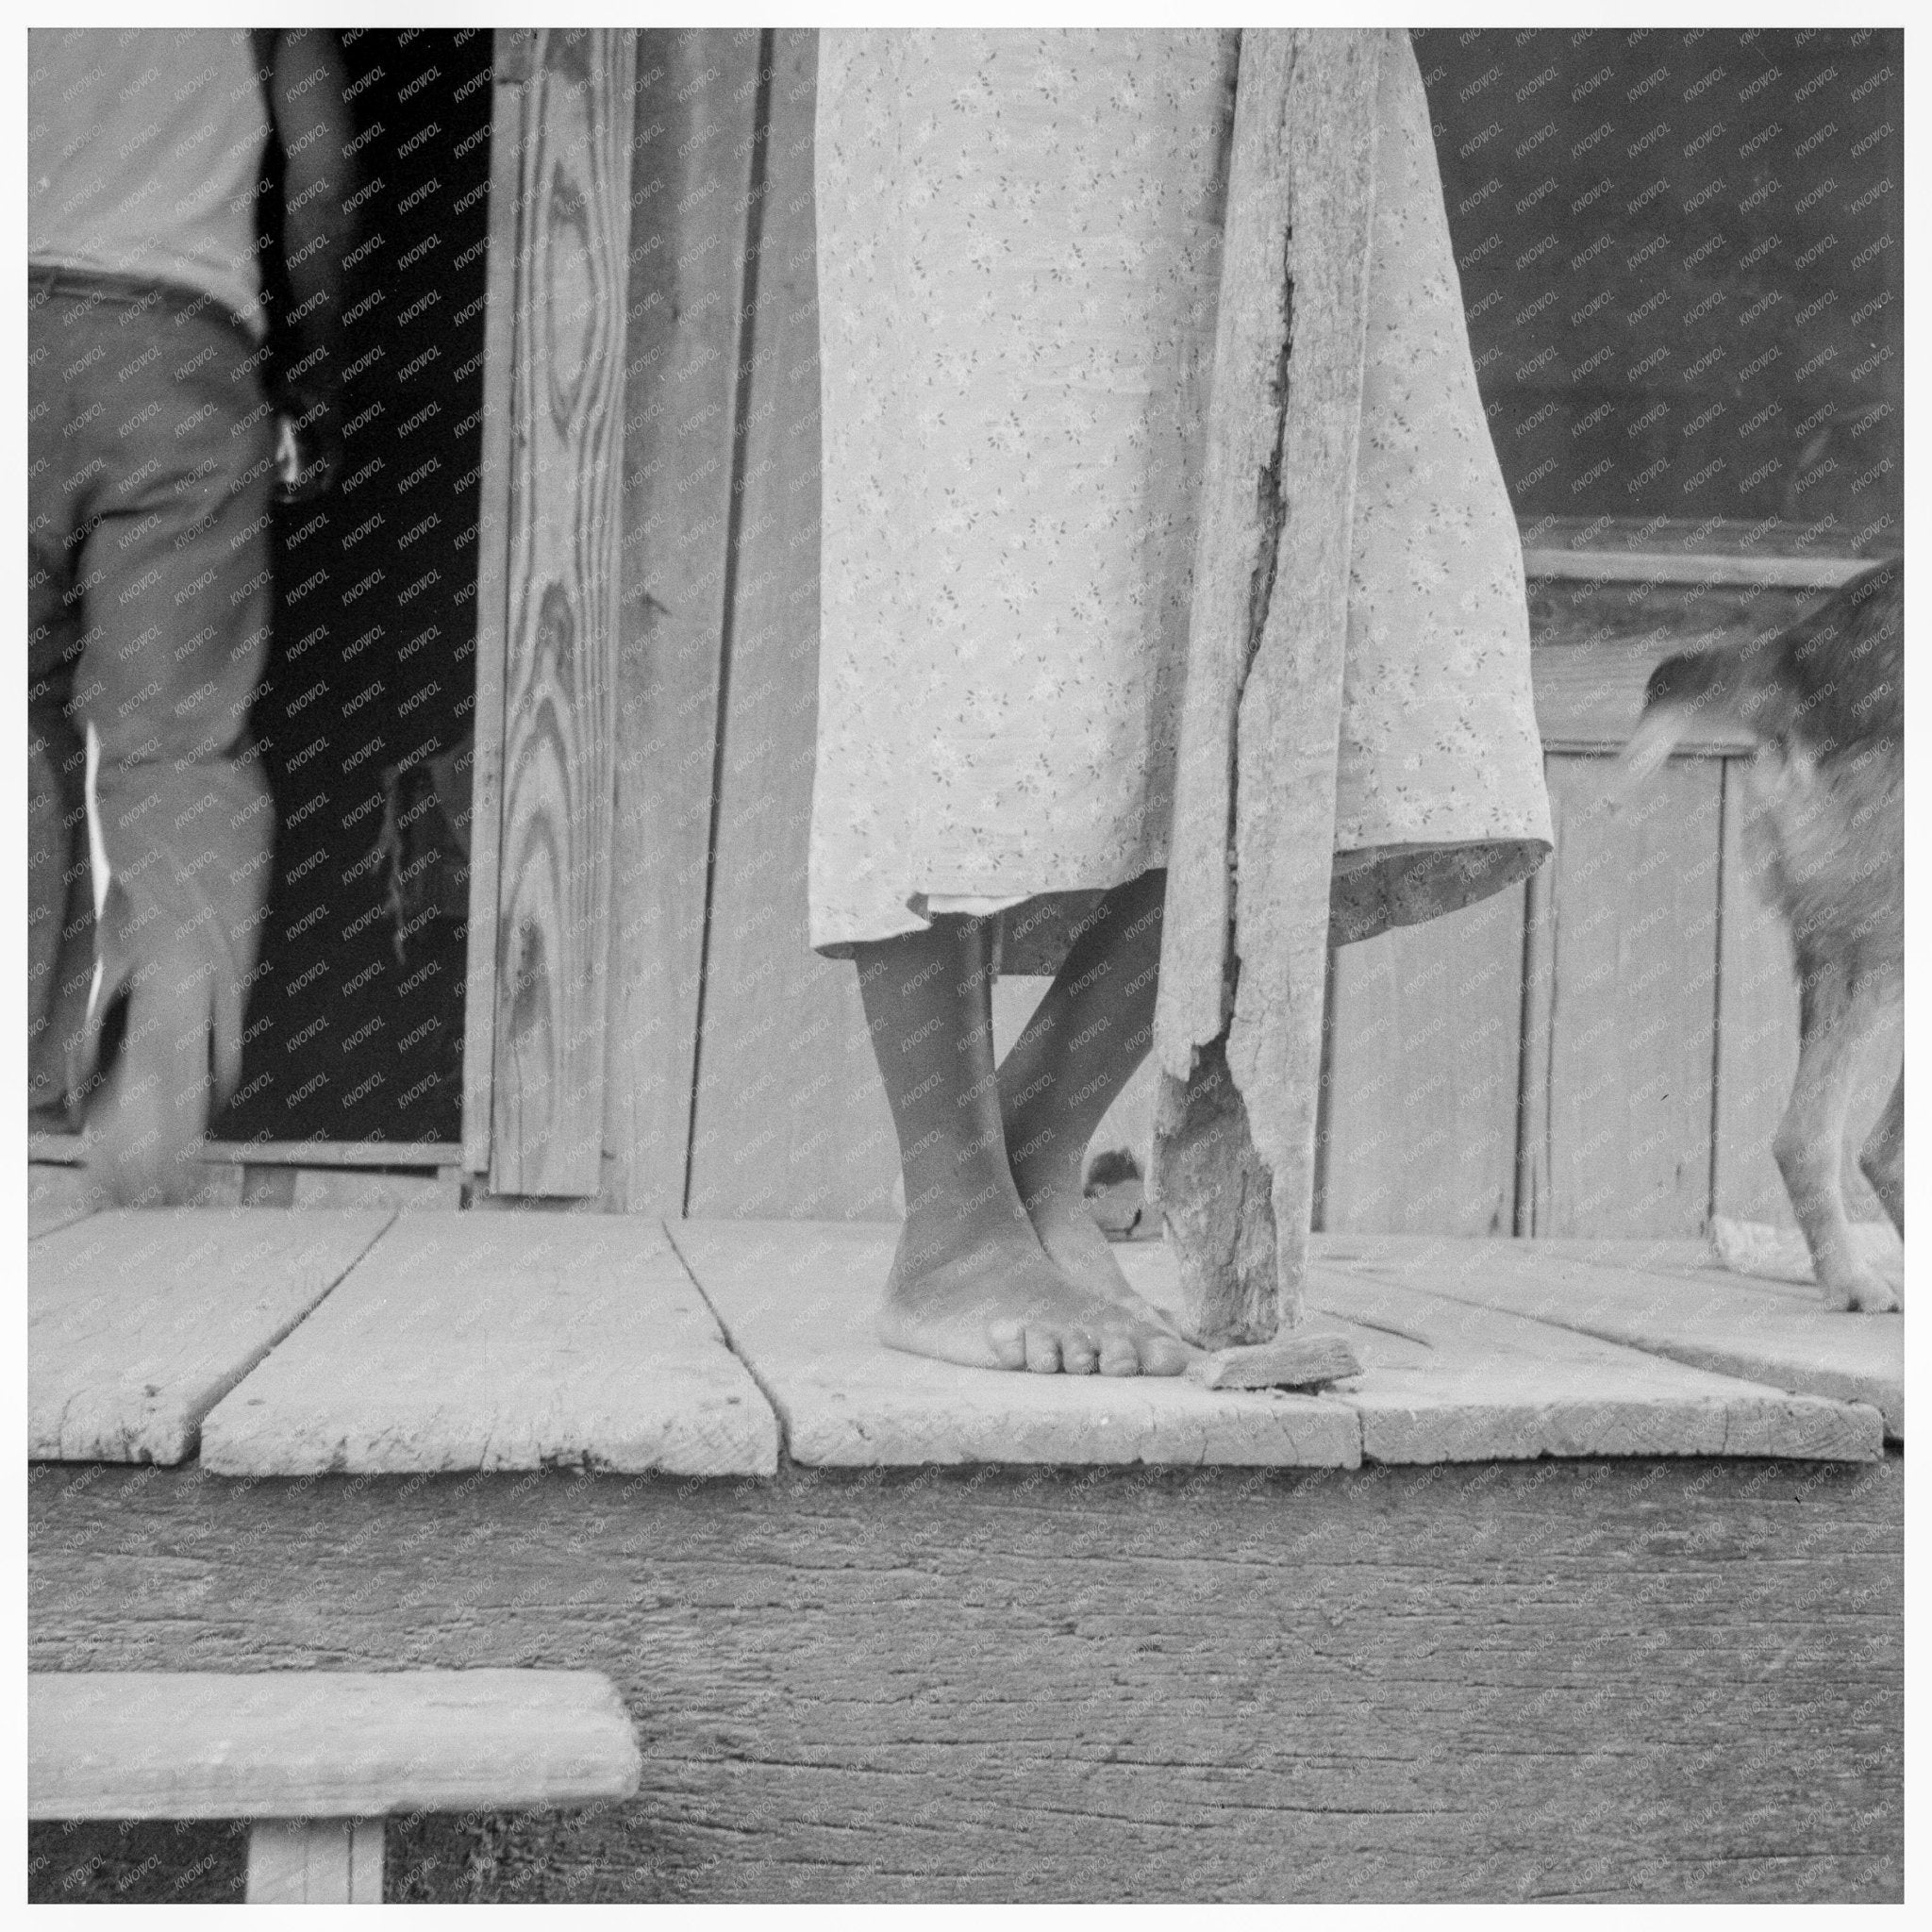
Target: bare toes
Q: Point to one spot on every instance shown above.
(1007, 1341)
(1078, 1354)
(1118, 1354)
(1042, 1352)
(1162, 1353)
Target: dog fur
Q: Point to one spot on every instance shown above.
(1824, 698)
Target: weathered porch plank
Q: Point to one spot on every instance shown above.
(138, 1321)
(56, 1198)
(514, 1341)
(1449, 1380)
(322, 1743)
(1665, 1298)
(1444, 1380)
(797, 1299)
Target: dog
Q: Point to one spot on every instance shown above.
(1824, 698)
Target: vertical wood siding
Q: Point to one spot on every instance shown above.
(1605, 1050)
(563, 595)
(790, 1118)
(698, 98)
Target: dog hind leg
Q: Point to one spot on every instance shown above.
(1838, 1015)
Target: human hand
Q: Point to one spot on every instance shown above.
(308, 447)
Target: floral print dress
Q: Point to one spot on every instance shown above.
(1019, 253)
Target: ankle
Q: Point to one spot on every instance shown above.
(941, 1226)
(1044, 1184)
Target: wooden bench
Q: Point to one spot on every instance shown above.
(315, 1759)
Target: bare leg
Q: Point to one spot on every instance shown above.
(1883, 1159)
(1838, 1015)
(1078, 1052)
(971, 1282)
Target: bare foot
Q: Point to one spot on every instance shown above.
(1002, 1303)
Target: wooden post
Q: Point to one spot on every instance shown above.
(1238, 1029)
(563, 586)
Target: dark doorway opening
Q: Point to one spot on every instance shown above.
(355, 1023)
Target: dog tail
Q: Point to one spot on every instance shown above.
(1684, 691)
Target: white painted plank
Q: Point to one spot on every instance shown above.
(328, 1861)
(141, 1321)
(1663, 1298)
(322, 1743)
(798, 1299)
(503, 1342)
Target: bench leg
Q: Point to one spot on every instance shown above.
(318, 1861)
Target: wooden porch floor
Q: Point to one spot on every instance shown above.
(295, 1341)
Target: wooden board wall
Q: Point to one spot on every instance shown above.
(698, 100)
(1423, 1070)
(1605, 1050)
(1618, 1055)
(565, 498)
(790, 1118)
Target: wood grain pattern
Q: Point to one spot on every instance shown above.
(1255, 785)
(791, 1116)
(688, 331)
(1618, 1139)
(322, 1743)
(1563, 1680)
(563, 597)
(514, 1341)
(1757, 1042)
(1426, 1034)
(510, 51)
(140, 1320)
(1664, 1298)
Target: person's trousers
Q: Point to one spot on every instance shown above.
(150, 474)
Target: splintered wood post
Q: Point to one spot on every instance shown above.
(1238, 1028)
